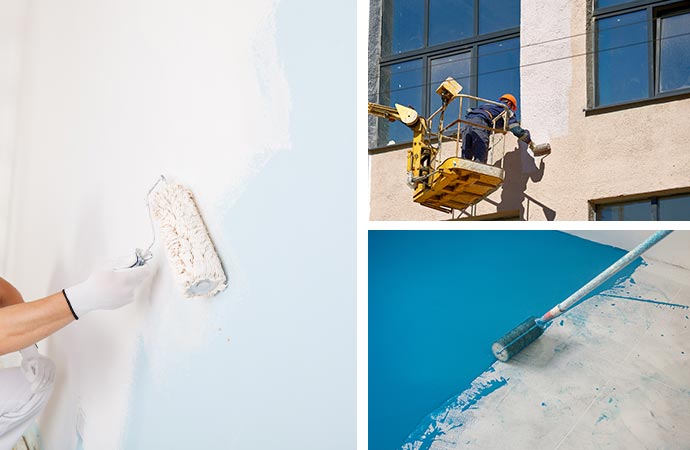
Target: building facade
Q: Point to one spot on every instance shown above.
(605, 82)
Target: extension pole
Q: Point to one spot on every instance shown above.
(529, 331)
(605, 275)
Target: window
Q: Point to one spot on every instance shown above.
(425, 41)
(655, 207)
(642, 50)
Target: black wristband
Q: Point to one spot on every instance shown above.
(70, 305)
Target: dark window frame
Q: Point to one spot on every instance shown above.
(652, 197)
(656, 10)
(446, 49)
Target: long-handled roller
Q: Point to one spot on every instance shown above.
(528, 331)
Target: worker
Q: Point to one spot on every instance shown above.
(475, 140)
(25, 390)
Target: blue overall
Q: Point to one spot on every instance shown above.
(475, 141)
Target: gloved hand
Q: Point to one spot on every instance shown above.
(108, 288)
(38, 370)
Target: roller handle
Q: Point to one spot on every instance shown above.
(142, 257)
(603, 276)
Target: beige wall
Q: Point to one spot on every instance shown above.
(637, 150)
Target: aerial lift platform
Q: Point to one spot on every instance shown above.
(452, 183)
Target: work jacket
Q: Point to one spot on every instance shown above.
(486, 113)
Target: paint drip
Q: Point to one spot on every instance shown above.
(193, 259)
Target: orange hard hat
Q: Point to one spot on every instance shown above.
(511, 98)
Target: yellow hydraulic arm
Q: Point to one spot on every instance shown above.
(420, 153)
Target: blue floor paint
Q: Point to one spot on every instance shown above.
(439, 299)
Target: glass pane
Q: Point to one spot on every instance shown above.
(499, 70)
(674, 58)
(403, 26)
(400, 83)
(641, 210)
(622, 60)
(456, 66)
(605, 3)
(496, 15)
(608, 213)
(674, 208)
(450, 20)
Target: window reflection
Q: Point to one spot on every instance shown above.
(622, 58)
(400, 83)
(450, 20)
(674, 57)
(496, 15)
(403, 26)
(498, 69)
(606, 3)
(456, 66)
(675, 207)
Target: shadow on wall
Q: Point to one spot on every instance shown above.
(520, 167)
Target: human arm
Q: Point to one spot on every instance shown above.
(23, 324)
(518, 131)
(9, 295)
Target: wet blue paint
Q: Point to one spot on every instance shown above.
(439, 299)
(543, 404)
(656, 302)
(560, 323)
(602, 417)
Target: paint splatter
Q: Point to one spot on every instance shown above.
(636, 299)
(561, 323)
(543, 404)
(602, 417)
(442, 421)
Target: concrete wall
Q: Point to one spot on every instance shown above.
(674, 249)
(632, 151)
(112, 95)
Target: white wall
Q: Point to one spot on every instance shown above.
(12, 22)
(114, 93)
(674, 249)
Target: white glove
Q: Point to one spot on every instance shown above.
(38, 370)
(107, 288)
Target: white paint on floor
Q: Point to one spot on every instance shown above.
(614, 375)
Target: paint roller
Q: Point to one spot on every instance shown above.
(528, 331)
(193, 259)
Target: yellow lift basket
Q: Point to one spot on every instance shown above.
(443, 182)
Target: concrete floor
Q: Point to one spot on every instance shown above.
(614, 374)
